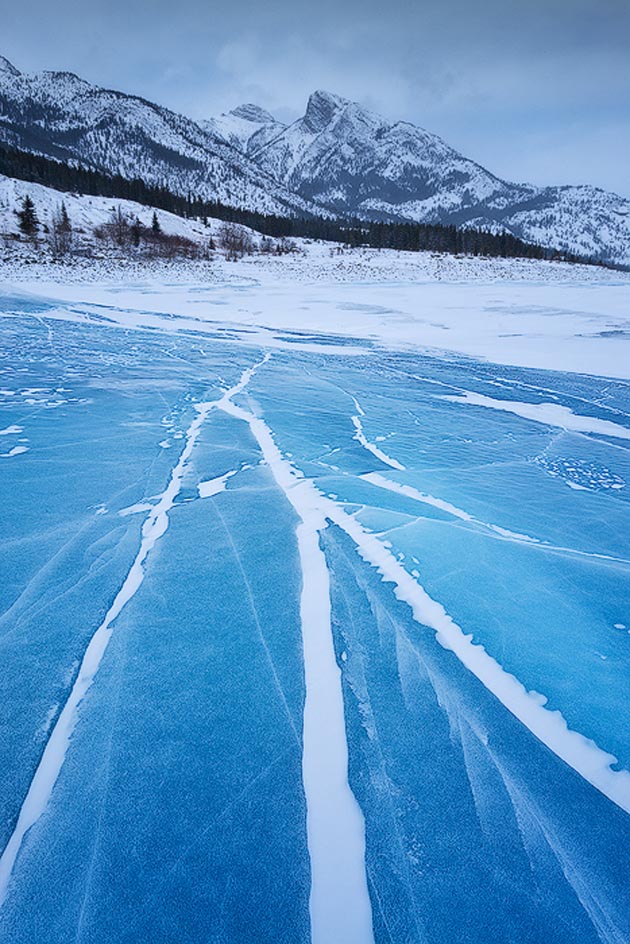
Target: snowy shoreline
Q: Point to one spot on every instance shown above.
(311, 262)
(525, 313)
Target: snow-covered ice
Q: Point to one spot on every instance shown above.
(303, 634)
(214, 486)
(551, 414)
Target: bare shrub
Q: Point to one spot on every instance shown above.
(118, 228)
(235, 240)
(60, 232)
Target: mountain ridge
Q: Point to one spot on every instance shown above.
(352, 161)
(60, 115)
(338, 159)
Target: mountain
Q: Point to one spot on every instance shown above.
(338, 159)
(247, 127)
(353, 162)
(59, 115)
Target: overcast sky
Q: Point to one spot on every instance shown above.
(536, 90)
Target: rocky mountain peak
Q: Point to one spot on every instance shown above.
(321, 109)
(7, 67)
(253, 113)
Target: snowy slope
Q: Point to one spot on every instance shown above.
(86, 212)
(247, 127)
(312, 261)
(352, 161)
(62, 116)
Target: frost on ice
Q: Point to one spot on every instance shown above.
(347, 661)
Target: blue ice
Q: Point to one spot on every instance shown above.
(179, 813)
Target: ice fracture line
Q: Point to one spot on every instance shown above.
(54, 754)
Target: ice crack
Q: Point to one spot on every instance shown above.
(54, 755)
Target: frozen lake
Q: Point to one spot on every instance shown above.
(307, 638)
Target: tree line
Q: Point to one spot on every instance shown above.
(412, 237)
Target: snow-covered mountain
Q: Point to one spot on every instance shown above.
(352, 161)
(247, 127)
(59, 115)
(348, 158)
(338, 158)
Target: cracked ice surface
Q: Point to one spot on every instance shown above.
(363, 654)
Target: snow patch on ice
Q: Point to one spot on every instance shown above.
(551, 414)
(135, 509)
(580, 475)
(213, 486)
(410, 492)
(16, 451)
(340, 907)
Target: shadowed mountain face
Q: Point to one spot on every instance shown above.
(352, 161)
(338, 158)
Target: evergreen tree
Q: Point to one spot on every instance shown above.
(64, 220)
(437, 238)
(27, 217)
(135, 231)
